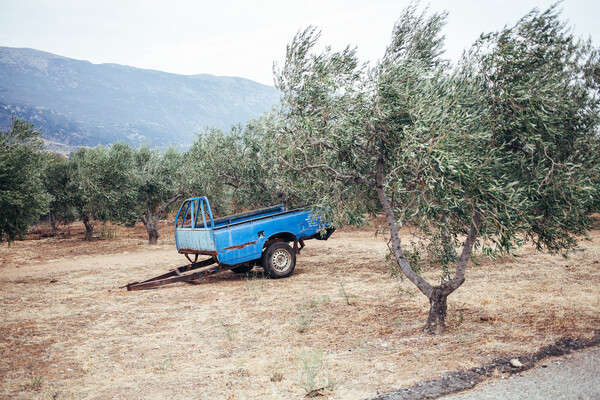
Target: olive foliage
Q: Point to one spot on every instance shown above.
(481, 153)
(101, 185)
(239, 168)
(542, 89)
(22, 196)
(160, 182)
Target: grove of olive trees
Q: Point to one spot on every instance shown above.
(499, 148)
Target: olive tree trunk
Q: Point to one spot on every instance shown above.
(89, 227)
(151, 217)
(152, 229)
(52, 220)
(437, 295)
(438, 309)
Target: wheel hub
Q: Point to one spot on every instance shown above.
(280, 260)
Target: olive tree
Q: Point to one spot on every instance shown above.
(124, 184)
(425, 143)
(237, 169)
(160, 183)
(22, 195)
(57, 183)
(102, 184)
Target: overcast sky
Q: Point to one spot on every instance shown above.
(244, 38)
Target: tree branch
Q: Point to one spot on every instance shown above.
(399, 255)
(233, 181)
(339, 176)
(459, 276)
(165, 206)
(318, 142)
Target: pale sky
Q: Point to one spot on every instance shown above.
(244, 38)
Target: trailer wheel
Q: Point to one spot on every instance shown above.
(279, 260)
(242, 269)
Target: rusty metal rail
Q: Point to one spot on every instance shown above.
(205, 267)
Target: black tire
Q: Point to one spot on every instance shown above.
(279, 260)
(242, 269)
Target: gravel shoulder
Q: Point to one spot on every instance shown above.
(551, 372)
(569, 377)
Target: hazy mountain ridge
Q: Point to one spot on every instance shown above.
(79, 103)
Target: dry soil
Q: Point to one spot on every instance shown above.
(340, 326)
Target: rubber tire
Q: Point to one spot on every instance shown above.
(244, 269)
(284, 250)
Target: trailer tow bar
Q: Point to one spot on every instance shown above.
(177, 275)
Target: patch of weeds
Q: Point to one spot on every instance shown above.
(254, 285)
(275, 371)
(305, 312)
(465, 339)
(456, 316)
(344, 293)
(399, 322)
(276, 377)
(36, 382)
(316, 302)
(240, 371)
(303, 319)
(405, 292)
(315, 376)
(229, 331)
(164, 365)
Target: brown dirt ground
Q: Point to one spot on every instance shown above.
(68, 331)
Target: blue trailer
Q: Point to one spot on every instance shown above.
(269, 238)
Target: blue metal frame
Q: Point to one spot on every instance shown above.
(195, 237)
(201, 202)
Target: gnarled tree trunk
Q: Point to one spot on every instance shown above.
(153, 236)
(89, 227)
(438, 309)
(52, 221)
(437, 295)
(151, 224)
(151, 217)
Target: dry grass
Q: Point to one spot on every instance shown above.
(67, 331)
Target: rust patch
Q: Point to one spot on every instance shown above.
(240, 246)
(192, 251)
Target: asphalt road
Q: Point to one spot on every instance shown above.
(571, 377)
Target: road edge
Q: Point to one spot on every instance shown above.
(460, 381)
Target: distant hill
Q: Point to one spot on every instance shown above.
(78, 103)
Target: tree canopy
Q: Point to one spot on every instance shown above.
(160, 182)
(22, 195)
(101, 184)
(476, 153)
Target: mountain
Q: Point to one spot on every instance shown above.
(78, 103)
